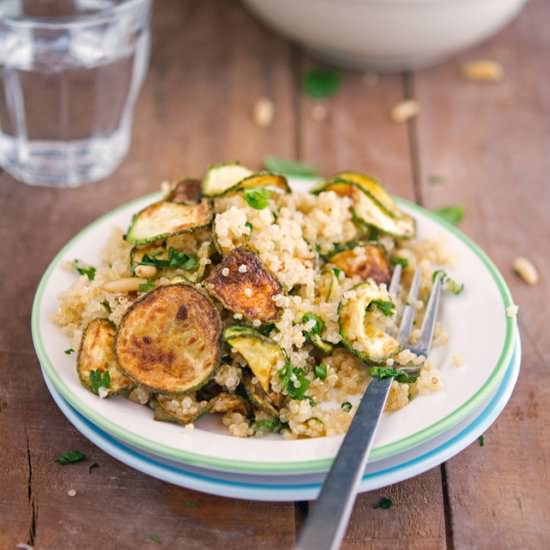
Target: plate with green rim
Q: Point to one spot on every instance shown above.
(476, 320)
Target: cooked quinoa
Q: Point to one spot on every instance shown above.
(294, 238)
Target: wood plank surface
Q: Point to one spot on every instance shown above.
(491, 141)
(210, 62)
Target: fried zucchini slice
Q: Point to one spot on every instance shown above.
(163, 219)
(361, 318)
(229, 402)
(96, 357)
(367, 210)
(169, 340)
(220, 177)
(181, 410)
(261, 353)
(260, 179)
(243, 285)
(185, 191)
(258, 397)
(365, 260)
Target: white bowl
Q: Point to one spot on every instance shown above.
(386, 34)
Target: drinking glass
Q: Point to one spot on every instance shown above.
(70, 73)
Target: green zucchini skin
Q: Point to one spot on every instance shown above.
(257, 396)
(164, 219)
(165, 410)
(222, 176)
(97, 353)
(358, 325)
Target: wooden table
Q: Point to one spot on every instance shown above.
(211, 61)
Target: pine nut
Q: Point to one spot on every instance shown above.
(127, 284)
(483, 69)
(146, 271)
(404, 110)
(264, 112)
(526, 270)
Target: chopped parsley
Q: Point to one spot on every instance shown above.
(481, 440)
(147, 286)
(320, 83)
(386, 307)
(320, 371)
(155, 539)
(175, 260)
(346, 406)
(396, 260)
(85, 269)
(249, 226)
(257, 197)
(70, 457)
(452, 214)
(99, 379)
(69, 351)
(92, 466)
(385, 503)
(270, 424)
(337, 272)
(450, 284)
(267, 329)
(389, 372)
(294, 381)
(317, 328)
(289, 167)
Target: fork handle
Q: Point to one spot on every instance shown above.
(326, 524)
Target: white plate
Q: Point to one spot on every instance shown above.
(306, 486)
(476, 321)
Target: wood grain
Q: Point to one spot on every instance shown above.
(490, 141)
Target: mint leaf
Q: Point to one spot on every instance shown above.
(70, 457)
(320, 83)
(452, 214)
(257, 197)
(385, 503)
(289, 167)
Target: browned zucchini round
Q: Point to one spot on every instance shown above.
(367, 260)
(243, 285)
(229, 402)
(169, 340)
(182, 410)
(96, 362)
(185, 191)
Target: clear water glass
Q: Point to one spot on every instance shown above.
(70, 73)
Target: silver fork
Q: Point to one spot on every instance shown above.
(326, 524)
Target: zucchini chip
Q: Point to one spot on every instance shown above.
(220, 177)
(96, 362)
(229, 402)
(244, 286)
(261, 353)
(260, 179)
(368, 210)
(182, 410)
(169, 340)
(259, 399)
(362, 318)
(365, 260)
(163, 219)
(185, 191)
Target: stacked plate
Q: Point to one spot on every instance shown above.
(430, 430)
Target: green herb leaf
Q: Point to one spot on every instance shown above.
(99, 379)
(267, 329)
(155, 539)
(68, 351)
(481, 440)
(320, 371)
(386, 307)
(346, 406)
(452, 213)
(321, 83)
(257, 197)
(385, 503)
(449, 284)
(289, 167)
(249, 226)
(92, 467)
(337, 271)
(389, 372)
(396, 260)
(146, 287)
(70, 457)
(294, 381)
(270, 424)
(317, 328)
(85, 269)
(175, 260)
(106, 305)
